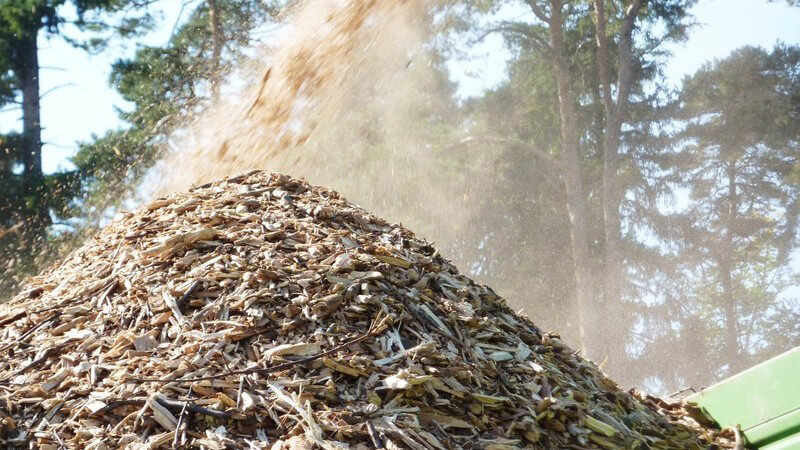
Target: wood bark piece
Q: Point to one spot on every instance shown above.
(296, 321)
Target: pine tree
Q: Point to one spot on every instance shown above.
(736, 158)
(30, 198)
(604, 60)
(164, 84)
(167, 86)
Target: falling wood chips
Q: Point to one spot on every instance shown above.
(261, 312)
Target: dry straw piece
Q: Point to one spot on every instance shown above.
(262, 312)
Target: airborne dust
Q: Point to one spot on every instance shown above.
(349, 98)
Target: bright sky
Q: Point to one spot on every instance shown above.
(81, 102)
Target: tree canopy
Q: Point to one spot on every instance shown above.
(163, 83)
(31, 199)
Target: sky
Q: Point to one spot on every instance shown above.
(80, 103)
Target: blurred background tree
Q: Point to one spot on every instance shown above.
(667, 306)
(734, 160)
(590, 72)
(164, 85)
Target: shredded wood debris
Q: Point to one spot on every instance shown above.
(259, 312)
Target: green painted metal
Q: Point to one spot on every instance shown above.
(776, 429)
(763, 400)
(788, 443)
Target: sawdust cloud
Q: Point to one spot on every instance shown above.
(350, 97)
(331, 55)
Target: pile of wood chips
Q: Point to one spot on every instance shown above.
(261, 312)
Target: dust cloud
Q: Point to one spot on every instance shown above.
(330, 58)
(347, 98)
(351, 97)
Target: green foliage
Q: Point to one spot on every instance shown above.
(165, 86)
(22, 18)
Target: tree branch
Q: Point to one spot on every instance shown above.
(512, 28)
(550, 159)
(633, 11)
(178, 18)
(11, 108)
(538, 11)
(55, 88)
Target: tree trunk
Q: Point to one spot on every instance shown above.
(573, 183)
(615, 112)
(732, 351)
(612, 272)
(37, 218)
(217, 40)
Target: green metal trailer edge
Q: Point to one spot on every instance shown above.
(764, 401)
